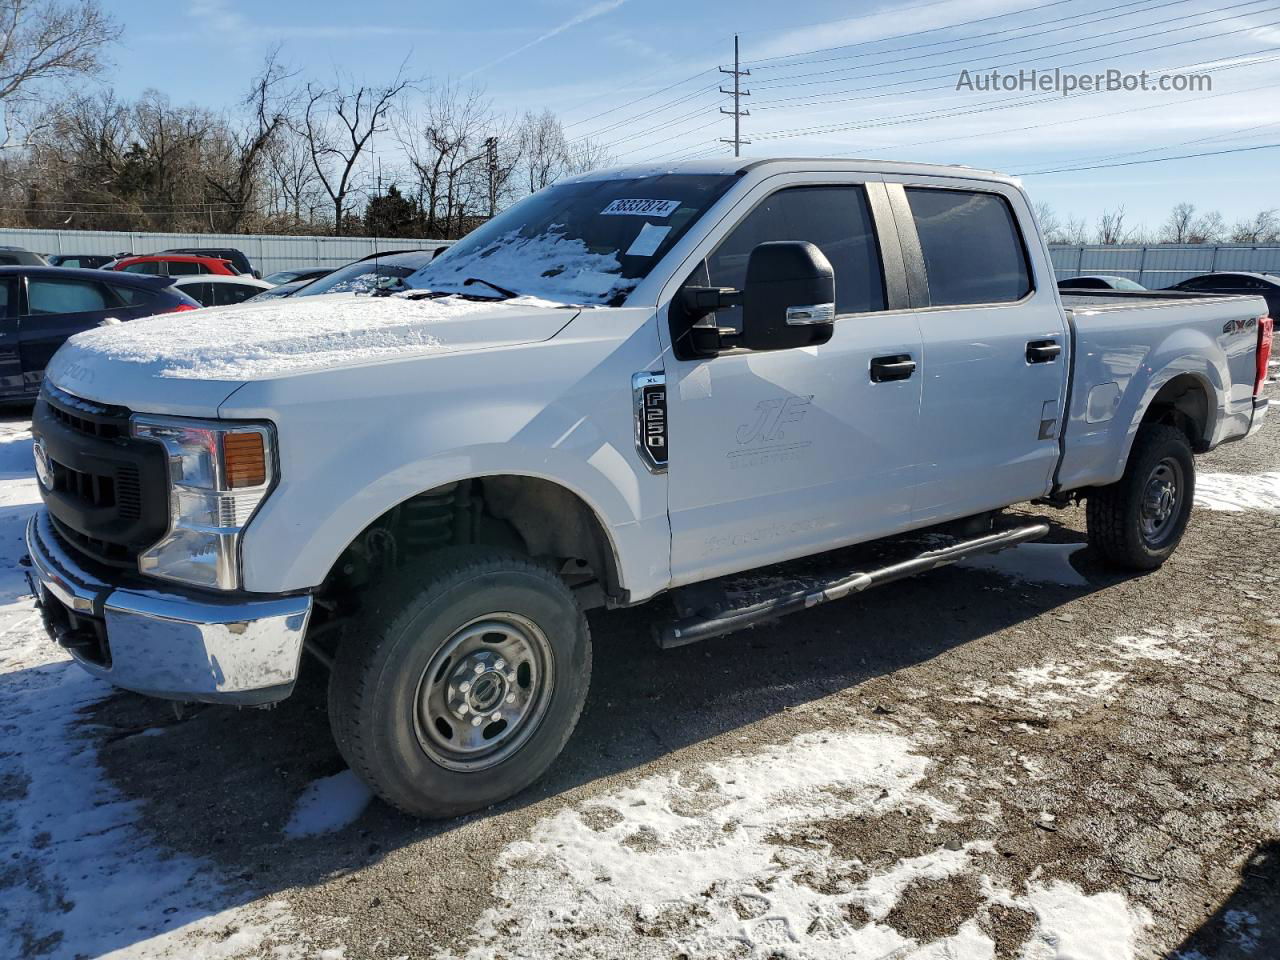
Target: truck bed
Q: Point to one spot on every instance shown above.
(1097, 301)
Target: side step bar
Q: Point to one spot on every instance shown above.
(693, 629)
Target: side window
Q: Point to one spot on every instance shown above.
(837, 219)
(46, 296)
(184, 268)
(132, 296)
(198, 292)
(225, 294)
(8, 298)
(972, 250)
(146, 266)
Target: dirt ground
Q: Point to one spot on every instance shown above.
(971, 763)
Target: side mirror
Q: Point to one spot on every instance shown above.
(789, 297)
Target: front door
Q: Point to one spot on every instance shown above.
(784, 453)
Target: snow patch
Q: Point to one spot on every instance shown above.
(1148, 647)
(328, 804)
(274, 338)
(1033, 563)
(1050, 687)
(1234, 492)
(1073, 925)
(548, 265)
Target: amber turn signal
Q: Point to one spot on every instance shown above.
(245, 459)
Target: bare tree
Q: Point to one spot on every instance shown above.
(42, 40)
(1264, 227)
(1111, 228)
(1177, 228)
(1050, 225)
(1075, 232)
(339, 121)
(236, 181)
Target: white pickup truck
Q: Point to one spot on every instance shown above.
(635, 383)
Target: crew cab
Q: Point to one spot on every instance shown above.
(637, 384)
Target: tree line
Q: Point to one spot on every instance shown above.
(298, 154)
(1185, 224)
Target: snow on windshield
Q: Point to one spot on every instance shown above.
(548, 265)
(280, 337)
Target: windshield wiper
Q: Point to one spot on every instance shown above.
(509, 294)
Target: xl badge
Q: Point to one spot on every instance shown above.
(44, 469)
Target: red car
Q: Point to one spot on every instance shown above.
(175, 265)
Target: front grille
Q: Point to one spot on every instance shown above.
(108, 496)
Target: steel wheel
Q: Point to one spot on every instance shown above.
(1162, 502)
(484, 692)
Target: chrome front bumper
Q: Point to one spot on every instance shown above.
(166, 643)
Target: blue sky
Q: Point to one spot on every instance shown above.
(859, 79)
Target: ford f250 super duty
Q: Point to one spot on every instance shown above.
(638, 382)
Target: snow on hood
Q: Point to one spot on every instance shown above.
(275, 338)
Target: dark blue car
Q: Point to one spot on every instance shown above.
(40, 307)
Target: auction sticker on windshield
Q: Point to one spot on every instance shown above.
(641, 208)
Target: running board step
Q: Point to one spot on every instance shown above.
(694, 628)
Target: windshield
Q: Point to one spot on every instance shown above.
(362, 276)
(587, 241)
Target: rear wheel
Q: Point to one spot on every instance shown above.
(465, 683)
(1137, 522)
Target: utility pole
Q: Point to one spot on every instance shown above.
(738, 93)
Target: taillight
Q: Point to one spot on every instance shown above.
(180, 307)
(1266, 337)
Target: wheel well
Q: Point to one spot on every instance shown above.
(536, 517)
(1182, 403)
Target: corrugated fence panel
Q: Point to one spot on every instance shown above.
(268, 253)
(1163, 264)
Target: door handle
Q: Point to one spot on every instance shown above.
(1043, 351)
(899, 366)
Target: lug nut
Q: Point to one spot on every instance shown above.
(500, 664)
(476, 721)
(479, 668)
(496, 717)
(462, 709)
(464, 686)
(511, 698)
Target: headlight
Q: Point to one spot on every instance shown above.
(219, 473)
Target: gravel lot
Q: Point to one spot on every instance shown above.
(1029, 757)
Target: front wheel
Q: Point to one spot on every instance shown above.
(465, 683)
(1137, 522)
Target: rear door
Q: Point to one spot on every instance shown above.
(784, 453)
(57, 308)
(11, 384)
(995, 346)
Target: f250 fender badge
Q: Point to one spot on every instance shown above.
(649, 395)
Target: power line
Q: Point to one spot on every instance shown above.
(1135, 163)
(776, 84)
(622, 106)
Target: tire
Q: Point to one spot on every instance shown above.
(473, 633)
(1137, 522)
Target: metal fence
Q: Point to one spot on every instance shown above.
(267, 253)
(1163, 264)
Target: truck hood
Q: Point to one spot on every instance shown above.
(189, 362)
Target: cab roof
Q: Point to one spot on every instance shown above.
(731, 166)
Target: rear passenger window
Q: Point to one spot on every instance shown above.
(836, 219)
(64, 296)
(972, 250)
(185, 268)
(132, 296)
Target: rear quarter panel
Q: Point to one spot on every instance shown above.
(1124, 355)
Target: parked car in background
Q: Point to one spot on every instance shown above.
(41, 306)
(289, 276)
(364, 275)
(282, 290)
(175, 265)
(88, 261)
(1265, 285)
(237, 257)
(1099, 281)
(212, 290)
(18, 256)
